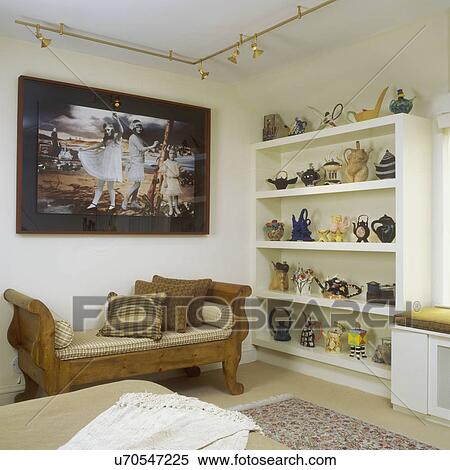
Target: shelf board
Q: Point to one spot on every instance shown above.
(328, 246)
(328, 189)
(365, 366)
(381, 126)
(353, 304)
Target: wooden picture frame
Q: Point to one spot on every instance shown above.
(82, 152)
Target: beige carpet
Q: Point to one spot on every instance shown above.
(263, 380)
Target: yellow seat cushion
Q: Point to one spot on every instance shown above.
(429, 318)
(433, 314)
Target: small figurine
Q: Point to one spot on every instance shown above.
(274, 230)
(323, 235)
(332, 170)
(338, 289)
(385, 230)
(356, 160)
(383, 353)
(303, 278)
(300, 231)
(327, 118)
(282, 182)
(333, 342)
(310, 177)
(366, 114)
(361, 229)
(357, 338)
(299, 127)
(308, 336)
(274, 127)
(401, 104)
(386, 168)
(339, 226)
(278, 326)
(280, 278)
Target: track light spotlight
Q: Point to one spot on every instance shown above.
(234, 55)
(116, 103)
(45, 42)
(256, 52)
(203, 73)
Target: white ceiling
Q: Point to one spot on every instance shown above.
(198, 27)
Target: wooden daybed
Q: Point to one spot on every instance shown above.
(32, 334)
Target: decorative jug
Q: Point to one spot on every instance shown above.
(356, 160)
(300, 230)
(384, 227)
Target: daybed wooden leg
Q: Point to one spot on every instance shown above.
(192, 371)
(30, 392)
(229, 367)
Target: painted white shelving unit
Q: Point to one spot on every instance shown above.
(407, 199)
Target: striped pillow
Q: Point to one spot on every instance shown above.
(63, 332)
(220, 316)
(134, 316)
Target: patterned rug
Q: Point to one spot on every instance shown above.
(299, 424)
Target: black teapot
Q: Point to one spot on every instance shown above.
(361, 229)
(310, 177)
(282, 182)
(280, 326)
(384, 227)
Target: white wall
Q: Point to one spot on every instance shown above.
(54, 268)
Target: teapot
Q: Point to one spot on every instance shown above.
(332, 170)
(282, 182)
(361, 229)
(338, 289)
(280, 328)
(384, 227)
(356, 160)
(310, 177)
(300, 230)
(299, 127)
(401, 104)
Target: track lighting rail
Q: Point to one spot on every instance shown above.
(62, 30)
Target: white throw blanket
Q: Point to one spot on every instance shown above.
(170, 421)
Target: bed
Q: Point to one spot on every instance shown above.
(48, 423)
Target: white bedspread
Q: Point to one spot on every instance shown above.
(152, 421)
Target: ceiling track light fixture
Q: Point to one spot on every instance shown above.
(234, 55)
(203, 73)
(45, 42)
(171, 55)
(256, 51)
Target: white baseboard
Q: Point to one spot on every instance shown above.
(8, 392)
(338, 375)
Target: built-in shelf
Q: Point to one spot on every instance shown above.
(328, 246)
(327, 189)
(354, 304)
(365, 366)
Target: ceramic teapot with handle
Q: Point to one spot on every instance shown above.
(338, 289)
(356, 160)
(282, 182)
(384, 227)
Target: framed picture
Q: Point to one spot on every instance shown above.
(97, 161)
